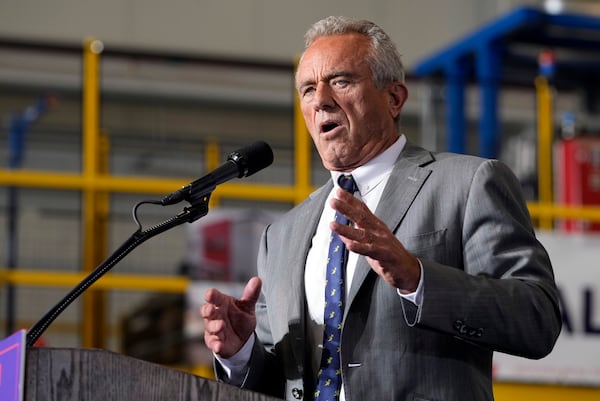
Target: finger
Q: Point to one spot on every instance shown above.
(361, 233)
(351, 207)
(207, 311)
(250, 295)
(215, 297)
(214, 327)
(214, 343)
(346, 231)
(252, 291)
(210, 312)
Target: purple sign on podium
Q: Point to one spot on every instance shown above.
(12, 367)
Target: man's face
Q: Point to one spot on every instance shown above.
(349, 119)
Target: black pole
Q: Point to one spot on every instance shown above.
(11, 254)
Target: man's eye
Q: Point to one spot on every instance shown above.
(308, 91)
(340, 83)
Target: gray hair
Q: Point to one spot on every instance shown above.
(383, 57)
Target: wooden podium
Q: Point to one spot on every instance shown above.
(66, 374)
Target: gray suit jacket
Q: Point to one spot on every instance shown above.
(488, 286)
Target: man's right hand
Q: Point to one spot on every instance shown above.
(229, 322)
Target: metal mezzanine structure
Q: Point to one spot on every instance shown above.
(505, 52)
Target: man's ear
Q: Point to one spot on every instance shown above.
(397, 95)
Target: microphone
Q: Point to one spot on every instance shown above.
(240, 163)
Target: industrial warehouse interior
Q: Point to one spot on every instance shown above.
(107, 105)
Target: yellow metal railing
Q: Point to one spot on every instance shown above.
(545, 130)
(302, 152)
(552, 211)
(130, 282)
(95, 202)
(546, 392)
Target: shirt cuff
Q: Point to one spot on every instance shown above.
(236, 366)
(415, 297)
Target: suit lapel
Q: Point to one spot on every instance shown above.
(294, 295)
(405, 182)
(302, 234)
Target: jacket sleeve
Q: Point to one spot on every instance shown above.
(504, 297)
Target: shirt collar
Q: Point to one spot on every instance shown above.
(376, 170)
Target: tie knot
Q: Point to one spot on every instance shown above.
(347, 183)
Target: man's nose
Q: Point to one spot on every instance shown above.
(323, 97)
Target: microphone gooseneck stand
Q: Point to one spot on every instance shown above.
(198, 208)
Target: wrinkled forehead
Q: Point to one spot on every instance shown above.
(331, 55)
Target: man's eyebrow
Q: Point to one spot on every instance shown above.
(307, 82)
(338, 74)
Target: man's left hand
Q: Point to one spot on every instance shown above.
(371, 237)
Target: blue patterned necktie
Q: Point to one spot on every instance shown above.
(330, 373)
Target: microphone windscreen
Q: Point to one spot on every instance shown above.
(256, 157)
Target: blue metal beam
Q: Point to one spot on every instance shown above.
(485, 54)
(488, 69)
(456, 121)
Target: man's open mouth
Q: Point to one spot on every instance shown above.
(328, 126)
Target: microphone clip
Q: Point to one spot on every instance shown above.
(198, 207)
(193, 193)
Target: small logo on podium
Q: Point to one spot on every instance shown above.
(12, 367)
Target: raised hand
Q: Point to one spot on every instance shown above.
(229, 322)
(371, 237)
